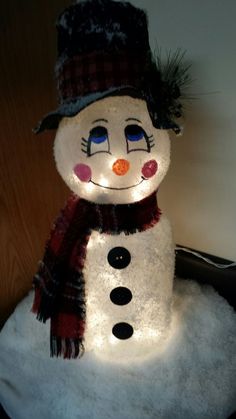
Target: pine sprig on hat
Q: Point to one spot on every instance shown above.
(168, 80)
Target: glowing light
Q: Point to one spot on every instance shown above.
(99, 342)
(89, 187)
(113, 340)
(73, 179)
(103, 181)
(97, 318)
(140, 191)
(96, 240)
(147, 334)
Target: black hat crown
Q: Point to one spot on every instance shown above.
(102, 25)
(103, 49)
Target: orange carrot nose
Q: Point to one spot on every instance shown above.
(120, 167)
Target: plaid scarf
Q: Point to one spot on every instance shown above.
(59, 283)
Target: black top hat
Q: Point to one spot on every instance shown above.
(103, 49)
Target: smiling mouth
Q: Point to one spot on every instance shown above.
(118, 189)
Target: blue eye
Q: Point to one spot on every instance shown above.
(137, 139)
(134, 133)
(97, 142)
(98, 135)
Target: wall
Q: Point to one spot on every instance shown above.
(199, 193)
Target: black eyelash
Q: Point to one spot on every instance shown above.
(150, 142)
(85, 143)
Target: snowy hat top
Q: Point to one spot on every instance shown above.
(103, 26)
(103, 49)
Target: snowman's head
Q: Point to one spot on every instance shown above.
(116, 102)
(110, 152)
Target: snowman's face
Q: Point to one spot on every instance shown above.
(111, 153)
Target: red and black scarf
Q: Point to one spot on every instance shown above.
(59, 283)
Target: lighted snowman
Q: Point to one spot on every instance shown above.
(113, 150)
(137, 348)
(110, 153)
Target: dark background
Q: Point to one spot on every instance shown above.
(31, 191)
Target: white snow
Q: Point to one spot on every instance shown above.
(193, 378)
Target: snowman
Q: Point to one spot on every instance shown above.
(110, 156)
(124, 342)
(106, 278)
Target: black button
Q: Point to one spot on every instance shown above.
(119, 257)
(121, 296)
(122, 331)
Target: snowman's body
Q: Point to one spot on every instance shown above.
(110, 153)
(129, 292)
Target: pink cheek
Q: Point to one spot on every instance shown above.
(149, 168)
(83, 172)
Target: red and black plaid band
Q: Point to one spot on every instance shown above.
(99, 72)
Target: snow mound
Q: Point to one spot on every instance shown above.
(195, 377)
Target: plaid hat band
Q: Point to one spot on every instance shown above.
(99, 72)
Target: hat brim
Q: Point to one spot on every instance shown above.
(52, 119)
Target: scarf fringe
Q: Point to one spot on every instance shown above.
(46, 290)
(42, 306)
(68, 348)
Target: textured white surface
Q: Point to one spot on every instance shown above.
(193, 378)
(149, 277)
(116, 110)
